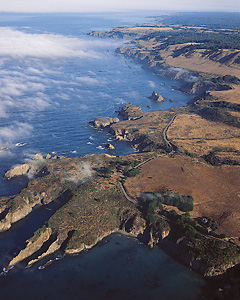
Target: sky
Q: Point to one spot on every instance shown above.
(116, 5)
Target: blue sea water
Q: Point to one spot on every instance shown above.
(54, 79)
(117, 268)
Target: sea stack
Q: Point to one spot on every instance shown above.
(156, 97)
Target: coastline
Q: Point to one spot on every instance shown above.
(131, 136)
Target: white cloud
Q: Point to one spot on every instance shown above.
(83, 172)
(87, 80)
(18, 44)
(152, 84)
(83, 107)
(34, 78)
(9, 134)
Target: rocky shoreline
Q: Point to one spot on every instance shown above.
(123, 215)
(95, 206)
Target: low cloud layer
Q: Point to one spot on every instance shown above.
(19, 44)
(82, 174)
(34, 77)
(13, 132)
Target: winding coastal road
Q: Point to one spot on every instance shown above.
(125, 193)
(169, 144)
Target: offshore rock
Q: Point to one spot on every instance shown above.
(156, 97)
(109, 146)
(3, 148)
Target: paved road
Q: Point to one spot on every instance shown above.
(125, 193)
(169, 144)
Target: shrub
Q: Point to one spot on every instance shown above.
(132, 173)
(182, 202)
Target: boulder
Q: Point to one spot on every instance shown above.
(48, 156)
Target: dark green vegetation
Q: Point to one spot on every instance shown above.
(196, 237)
(127, 167)
(182, 202)
(214, 20)
(204, 242)
(213, 158)
(217, 114)
(200, 40)
(226, 79)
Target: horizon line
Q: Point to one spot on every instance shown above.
(124, 11)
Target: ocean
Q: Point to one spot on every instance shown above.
(54, 80)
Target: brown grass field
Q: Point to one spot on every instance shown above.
(216, 190)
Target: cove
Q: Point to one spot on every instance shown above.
(117, 268)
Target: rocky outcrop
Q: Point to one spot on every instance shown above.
(120, 134)
(29, 168)
(156, 97)
(15, 216)
(131, 112)
(103, 122)
(38, 156)
(18, 170)
(134, 225)
(33, 245)
(54, 246)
